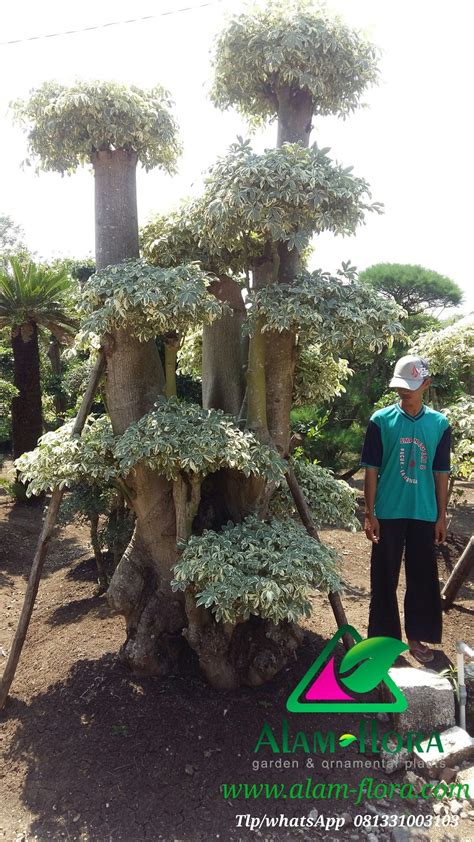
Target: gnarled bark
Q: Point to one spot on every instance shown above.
(248, 653)
(154, 616)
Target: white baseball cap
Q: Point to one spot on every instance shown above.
(410, 372)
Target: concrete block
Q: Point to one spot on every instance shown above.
(466, 776)
(457, 746)
(430, 700)
(469, 681)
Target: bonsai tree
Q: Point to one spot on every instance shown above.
(415, 288)
(199, 476)
(32, 298)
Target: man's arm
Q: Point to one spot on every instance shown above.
(441, 468)
(371, 460)
(371, 524)
(441, 488)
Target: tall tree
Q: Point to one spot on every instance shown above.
(32, 297)
(197, 475)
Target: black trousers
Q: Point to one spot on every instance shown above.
(422, 606)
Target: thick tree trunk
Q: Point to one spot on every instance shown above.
(295, 113)
(280, 368)
(134, 381)
(295, 110)
(256, 384)
(155, 616)
(251, 652)
(140, 587)
(171, 353)
(224, 352)
(27, 416)
(116, 219)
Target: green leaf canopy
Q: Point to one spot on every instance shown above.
(285, 194)
(295, 44)
(338, 312)
(177, 436)
(66, 125)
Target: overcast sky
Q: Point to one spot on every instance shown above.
(413, 142)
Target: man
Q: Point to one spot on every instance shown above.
(406, 456)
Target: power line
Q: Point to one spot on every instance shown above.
(111, 23)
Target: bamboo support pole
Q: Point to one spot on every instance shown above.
(43, 542)
(459, 575)
(307, 520)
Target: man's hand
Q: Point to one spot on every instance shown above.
(372, 528)
(440, 530)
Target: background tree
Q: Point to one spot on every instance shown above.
(32, 298)
(11, 241)
(341, 425)
(198, 475)
(415, 288)
(450, 353)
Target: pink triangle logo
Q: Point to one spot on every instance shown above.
(326, 688)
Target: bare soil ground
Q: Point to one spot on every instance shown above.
(91, 753)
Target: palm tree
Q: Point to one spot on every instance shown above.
(32, 296)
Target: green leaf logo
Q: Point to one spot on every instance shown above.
(346, 740)
(372, 658)
(366, 665)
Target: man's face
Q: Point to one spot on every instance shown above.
(413, 395)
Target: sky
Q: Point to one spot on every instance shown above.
(412, 142)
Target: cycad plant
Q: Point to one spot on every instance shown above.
(32, 297)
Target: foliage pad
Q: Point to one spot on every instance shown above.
(263, 568)
(335, 311)
(332, 501)
(66, 125)
(146, 300)
(177, 436)
(295, 44)
(285, 194)
(61, 460)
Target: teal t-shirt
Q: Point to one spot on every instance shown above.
(407, 449)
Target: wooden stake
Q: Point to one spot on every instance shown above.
(307, 520)
(43, 542)
(459, 575)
